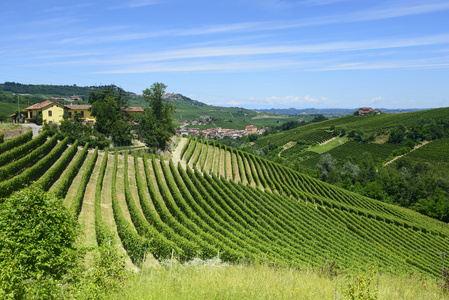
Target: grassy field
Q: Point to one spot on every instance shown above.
(214, 280)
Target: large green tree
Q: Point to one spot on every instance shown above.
(107, 109)
(156, 124)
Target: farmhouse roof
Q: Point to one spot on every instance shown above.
(133, 109)
(79, 107)
(40, 105)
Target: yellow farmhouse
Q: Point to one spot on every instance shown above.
(53, 112)
(83, 111)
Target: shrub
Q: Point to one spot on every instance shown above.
(38, 245)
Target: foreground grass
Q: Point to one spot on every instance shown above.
(214, 280)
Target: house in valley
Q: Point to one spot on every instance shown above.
(83, 111)
(52, 112)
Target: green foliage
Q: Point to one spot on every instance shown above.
(17, 152)
(107, 110)
(19, 181)
(363, 286)
(53, 174)
(134, 244)
(85, 134)
(38, 245)
(156, 124)
(327, 166)
(2, 137)
(77, 201)
(39, 119)
(21, 139)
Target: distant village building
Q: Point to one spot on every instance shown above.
(363, 111)
(251, 129)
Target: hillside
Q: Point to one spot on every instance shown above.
(210, 201)
(323, 131)
(225, 117)
(186, 108)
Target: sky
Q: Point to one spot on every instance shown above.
(245, 53)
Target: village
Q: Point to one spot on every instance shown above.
(218, 132)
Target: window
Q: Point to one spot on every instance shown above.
(49, 122)
(70, 114)
(49, 113)
(82, 114)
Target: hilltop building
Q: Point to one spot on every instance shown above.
(363, 111)
(251, 129)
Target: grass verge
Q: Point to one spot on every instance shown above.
(214, 280)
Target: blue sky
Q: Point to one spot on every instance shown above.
(249, 53)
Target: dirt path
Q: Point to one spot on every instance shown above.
(106, 209)
(397, 157)
(286, 146)
(63, 174)
(87, 214)
(328, 141)
(176, 157)
(73, 189)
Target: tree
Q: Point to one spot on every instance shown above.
(156, 125)
(107, 110)
(326, 165)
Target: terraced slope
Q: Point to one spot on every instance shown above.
(227, 203)
(319, 132)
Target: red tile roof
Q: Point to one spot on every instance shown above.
(79, 107)
(41, 105)
(133, 109)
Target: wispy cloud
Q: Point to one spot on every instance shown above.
(252, 50)
(321, 2)
(135, 4)
(366, 15)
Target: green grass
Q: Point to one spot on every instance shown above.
(213, 280)
(8, 109)
(338, 141)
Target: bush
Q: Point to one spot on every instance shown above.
(38, 245)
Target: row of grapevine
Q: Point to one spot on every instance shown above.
(15, 142)
(284, 180)
(134, 244)
(77, 201)
(186, 249)
(53, 174)
(34, 172)
(18, 165)
(102, 233)
(19, 151)
(61, 189)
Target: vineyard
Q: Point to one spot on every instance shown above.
(211, 200)
(354, 150)
(435, 153)
(319, 132)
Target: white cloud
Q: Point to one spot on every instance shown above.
(233, 103)
(377, 99)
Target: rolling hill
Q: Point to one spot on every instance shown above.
(208, 200)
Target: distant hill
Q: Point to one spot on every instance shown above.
(188, 109)
(50, 90)
(328, 112)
